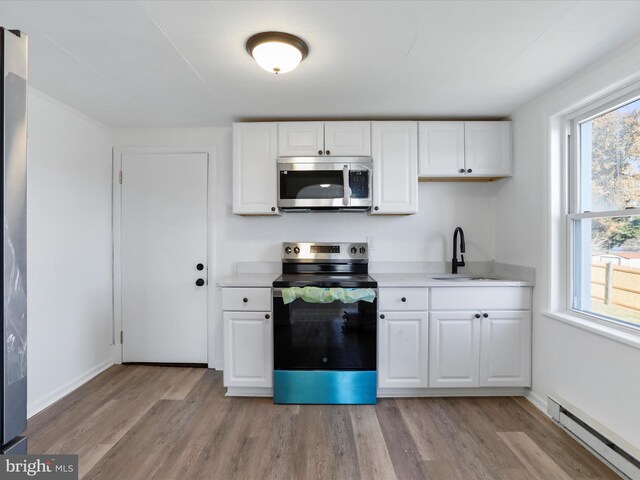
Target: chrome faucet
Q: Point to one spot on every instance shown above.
(454, 261)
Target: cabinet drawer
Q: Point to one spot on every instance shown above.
(406, 298)
(481, 298)
(257, 299)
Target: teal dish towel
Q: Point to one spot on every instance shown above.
(328, 295)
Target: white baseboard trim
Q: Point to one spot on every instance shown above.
(216, 365)
(399, 392)
(451, 392)
(539, 402)
(249, 392)
(40, 404)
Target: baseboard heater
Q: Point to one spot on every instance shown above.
(622, 456)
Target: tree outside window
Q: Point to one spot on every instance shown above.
(606, 223)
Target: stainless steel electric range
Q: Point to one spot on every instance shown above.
(325, 353)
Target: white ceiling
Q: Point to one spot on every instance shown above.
(183, 63)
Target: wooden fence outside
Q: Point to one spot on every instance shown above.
(617, 285)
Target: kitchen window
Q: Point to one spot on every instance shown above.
(604, 213)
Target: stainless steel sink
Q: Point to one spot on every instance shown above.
(466, 278)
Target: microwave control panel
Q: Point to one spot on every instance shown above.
(359, 183)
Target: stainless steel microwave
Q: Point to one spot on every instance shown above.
(324, 183)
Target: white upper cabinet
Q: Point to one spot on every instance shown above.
(487, 149)
(465, 150)
(347, 139)
(316, 139)
(441, 148)
(300, 139)
(395, 161)
(255, 181)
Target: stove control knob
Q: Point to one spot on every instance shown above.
(296, 250)
(287, 250)
(354, 250)
(362, 250)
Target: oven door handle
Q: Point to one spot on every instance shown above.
(346, 199)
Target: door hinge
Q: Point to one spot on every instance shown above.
(121, 337)
(120, 177)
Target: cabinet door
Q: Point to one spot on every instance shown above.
(248, 349)
(441, 149)
(488, 149)
(347, 139)
(505, 349)
(454, 341)
(254, 168)
(402, 349)
(395, 161)
(300, 139)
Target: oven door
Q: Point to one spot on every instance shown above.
(310, 183)
(324, 336)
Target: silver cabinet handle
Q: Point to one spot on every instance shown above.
(346, 199)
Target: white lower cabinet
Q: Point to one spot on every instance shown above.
(454, 349)
(428, 338)
(403, 342)
(248, 349)
(505, 349)
(480, 349)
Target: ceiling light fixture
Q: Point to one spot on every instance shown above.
(277, 52)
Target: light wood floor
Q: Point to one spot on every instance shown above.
(139, 422)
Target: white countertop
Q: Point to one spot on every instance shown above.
(249, 280)
(427, 280)
(262, 280)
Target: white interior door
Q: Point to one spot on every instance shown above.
(164, 238)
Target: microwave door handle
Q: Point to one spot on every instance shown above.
(346, 200)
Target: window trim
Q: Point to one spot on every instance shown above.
(571, 212)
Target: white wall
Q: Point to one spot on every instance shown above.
(68, 249)
(597, 374)
(426, 236)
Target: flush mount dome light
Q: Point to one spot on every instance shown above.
(277, 52)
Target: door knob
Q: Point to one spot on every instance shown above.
(461, 170)
(477, 315)
(485, 315)
(328, 152)
(403, 299)
(200, 282)
(319, 152)
(469, 171)
(200, 266)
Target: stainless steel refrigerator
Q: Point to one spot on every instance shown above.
(13, 143)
